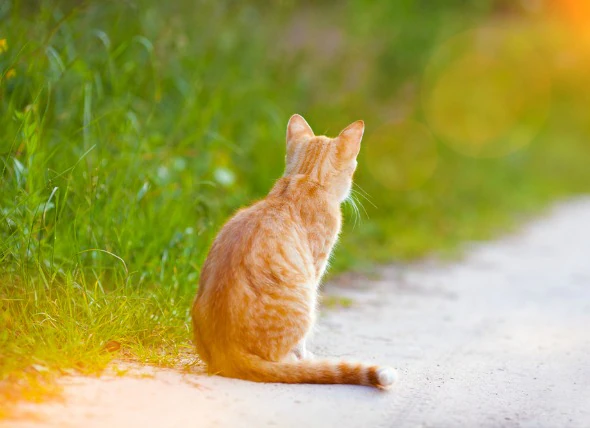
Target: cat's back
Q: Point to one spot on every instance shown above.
(265, 220)
(248, 240)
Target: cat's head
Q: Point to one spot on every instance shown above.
(331, 162)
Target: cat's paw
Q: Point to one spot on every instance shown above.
(303, 354)
(291, 357)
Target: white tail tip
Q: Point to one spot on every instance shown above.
(386, 376)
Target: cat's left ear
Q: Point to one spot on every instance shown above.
(350, 140)
(298, 129)
(298, 134)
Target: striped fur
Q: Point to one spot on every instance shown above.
(257, 296)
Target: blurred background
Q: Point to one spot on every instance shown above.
(130, 130)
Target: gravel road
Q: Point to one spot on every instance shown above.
(500, 338)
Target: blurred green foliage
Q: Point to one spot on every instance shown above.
(131, 130)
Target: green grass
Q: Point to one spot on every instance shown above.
(130, 130)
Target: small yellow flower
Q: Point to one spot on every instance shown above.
(3, 45)
(10, 73)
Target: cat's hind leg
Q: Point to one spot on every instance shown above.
(301, 353)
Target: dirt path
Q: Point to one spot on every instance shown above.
(501, 338)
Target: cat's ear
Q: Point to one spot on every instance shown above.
(298, 129)
(350, 140)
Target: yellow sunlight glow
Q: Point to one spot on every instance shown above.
(486, 91)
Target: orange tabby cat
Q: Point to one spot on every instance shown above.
(258, 289)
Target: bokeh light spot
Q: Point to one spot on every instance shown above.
(487, 91)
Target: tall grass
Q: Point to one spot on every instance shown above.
(130, 130)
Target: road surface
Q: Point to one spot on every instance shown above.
(500, 338)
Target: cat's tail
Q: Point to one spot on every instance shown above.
(257, 369)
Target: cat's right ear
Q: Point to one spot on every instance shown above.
(298, 129)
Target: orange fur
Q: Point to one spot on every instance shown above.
(258, 289)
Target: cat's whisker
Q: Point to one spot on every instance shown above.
(363, 193)
(356, 204)
(352, 201)
(358, 213)
(360, 188)
(349, 203)
(358, 201)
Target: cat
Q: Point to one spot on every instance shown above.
(258, 289)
